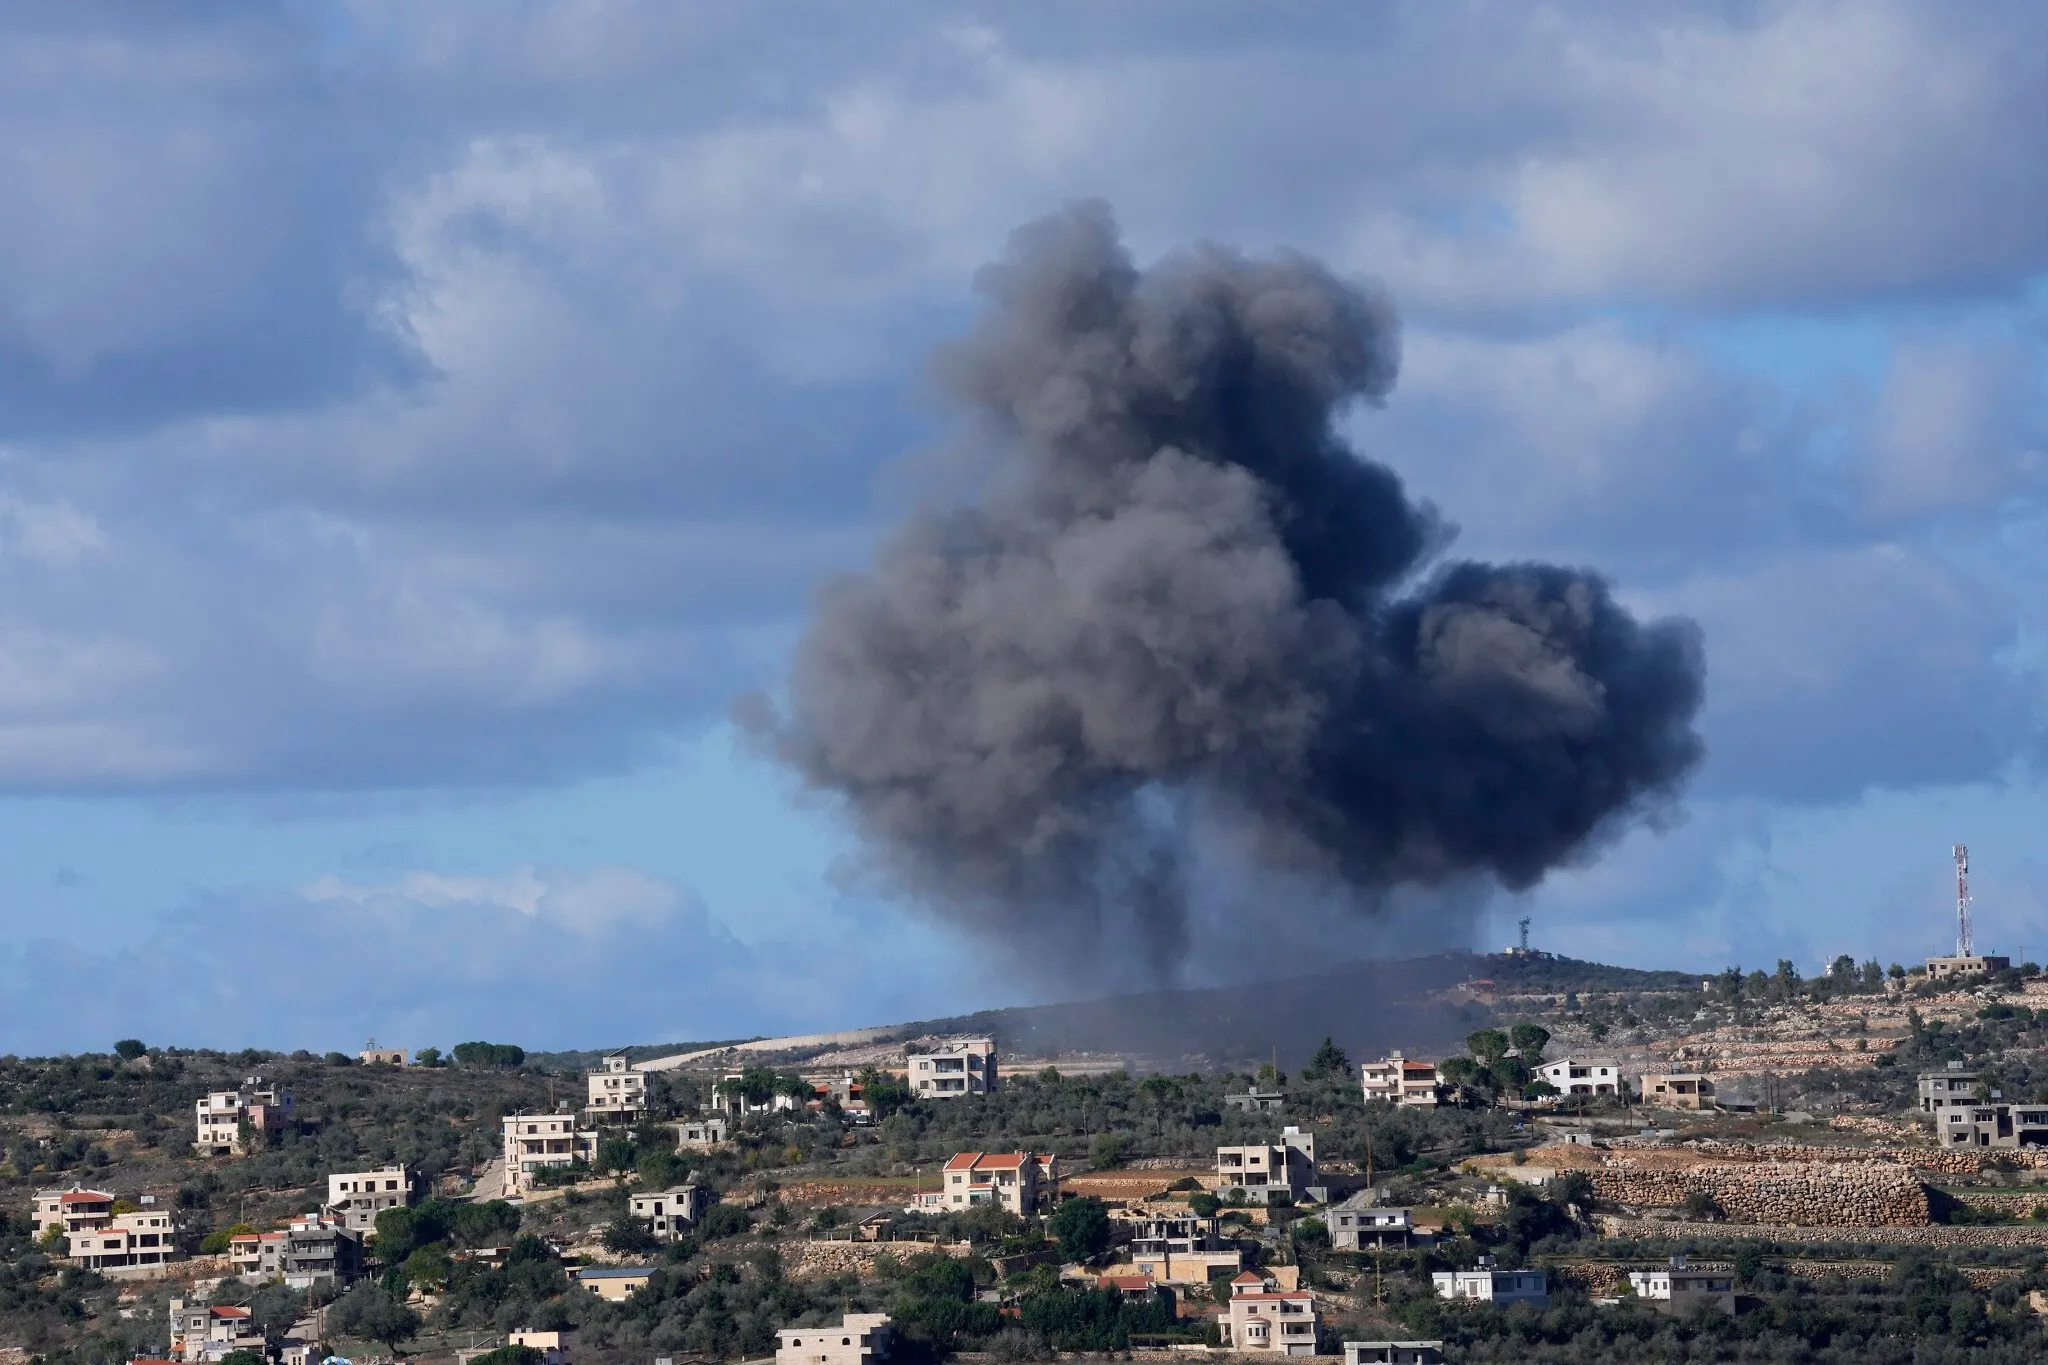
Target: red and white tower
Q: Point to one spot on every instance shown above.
(1964, 943)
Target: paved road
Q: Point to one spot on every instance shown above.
(844, 1037)
(490, 1181)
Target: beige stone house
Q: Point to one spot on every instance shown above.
(618, 1091)
(1263, 1170)
(1261, 1316)
(859, 1339)
(1400, 1080)
(1678, 1090)
(355, 1198)
(535, 1142)
(1018, 1181)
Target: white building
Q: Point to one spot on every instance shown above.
(618, 1091)
(1677, 1289)
(548, 1343)
(221, 1115)
(859, 1339)
(1578, 1076)
(1393, 1352)
(1398, 1080)
(1498, 1287)
(1260, 1171)
(951, 1067)
(701, 1133)
(355, 1198)
(670, 1214)
(1263, 1317)
(534, 1142)
(1362, 1224)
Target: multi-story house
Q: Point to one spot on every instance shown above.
(1952, 1086)
(1182, 1249)
(1678, 1090)
(1992, 1125)
(142, 1237)
(313, 1249)
(257, 1255)
(1400, 1080)
(1679, 1290)
(1260, 1171)
(1579, 1076)
(319, 1250)
(618, 1091)
(1018, 1181)
(1263, 1317)
(1360, 1223)
(1498, 1287)
(222, 1117)
(947, 1068)
(72, 1210)
(670, 1214)
(534, 1142)
(199, 1332)
(859, 1339)
(355, 1198)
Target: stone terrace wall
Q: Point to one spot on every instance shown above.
(814, 1259)
(1932, 1234)
(1607, 1277)
(1831, 1194)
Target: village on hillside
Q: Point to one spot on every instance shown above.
(1750, 1157)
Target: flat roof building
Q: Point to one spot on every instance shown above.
(618, 1090)
(535, 1142)
(1979, 964)
(948, 1068)
(859, 1339)
(1678, 1090)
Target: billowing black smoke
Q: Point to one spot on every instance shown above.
(1182, 611)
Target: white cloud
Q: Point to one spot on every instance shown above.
(596, 901)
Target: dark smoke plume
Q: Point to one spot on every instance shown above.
(1182, 607)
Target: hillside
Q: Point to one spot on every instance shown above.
(1371, 1007)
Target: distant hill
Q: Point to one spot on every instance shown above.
(1516, 974)
(1369, 1008)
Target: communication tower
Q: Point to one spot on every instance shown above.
(1523, 925)
(1964, 941)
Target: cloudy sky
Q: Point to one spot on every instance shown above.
(417, 424)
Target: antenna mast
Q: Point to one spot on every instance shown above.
(1523, 924)
(1965, 944)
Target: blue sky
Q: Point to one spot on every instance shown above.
(417, 424)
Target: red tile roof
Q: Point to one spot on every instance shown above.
(86, 1197)
(1123, 1282)
(229, 1311)
(964, 1161)
(1247, 1277)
